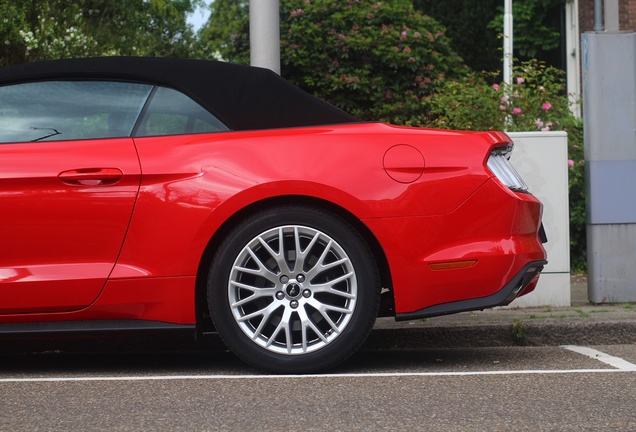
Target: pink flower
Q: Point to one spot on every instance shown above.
(546, 106)
(516, 111)
(502, 107)
(538, 123)
(520, 80)
(545, 129)
(504, 100)
(570, 163)
(496, 87)
(297, 13)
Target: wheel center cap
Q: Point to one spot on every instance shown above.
(293, 290)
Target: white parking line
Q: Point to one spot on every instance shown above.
(312, 376)
(616, 362)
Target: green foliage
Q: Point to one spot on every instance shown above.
(13, 19)
(466, 23)
(578, 215)
(466, 104)
(379, 60)
(227, 30)
(49, 29)
(536, 25)
(534, 101)
(518, 332)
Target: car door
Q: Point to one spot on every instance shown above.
(69, 177)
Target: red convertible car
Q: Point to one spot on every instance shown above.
(154, 193)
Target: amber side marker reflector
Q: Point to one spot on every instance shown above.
(452, 265)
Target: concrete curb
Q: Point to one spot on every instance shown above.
(546, 332)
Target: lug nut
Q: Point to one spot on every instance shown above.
(284, 279)
(300, 278)
(306, 293)
(293, 304)
(280, 295)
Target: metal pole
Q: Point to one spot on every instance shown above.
(507, 48)
(265, 34)
(573, 64)
(598, 16)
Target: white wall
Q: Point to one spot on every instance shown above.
(542, 160)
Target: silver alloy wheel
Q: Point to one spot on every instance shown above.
(292, 289)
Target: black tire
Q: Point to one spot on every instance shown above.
(301, 308)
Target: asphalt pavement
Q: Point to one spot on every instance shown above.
(582, 323)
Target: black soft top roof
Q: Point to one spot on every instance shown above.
(242, 97)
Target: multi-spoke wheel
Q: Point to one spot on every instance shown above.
(293, 289)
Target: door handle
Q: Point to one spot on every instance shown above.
(91, 176)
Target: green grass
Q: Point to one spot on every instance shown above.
(582, 313)
(560, 316)
(518, 332)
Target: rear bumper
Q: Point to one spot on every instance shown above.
(522, 283)
(467, 259)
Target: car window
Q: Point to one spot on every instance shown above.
(170, 112)
(67, 110)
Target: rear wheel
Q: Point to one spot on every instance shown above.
(293, 290)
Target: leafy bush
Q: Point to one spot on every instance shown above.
(534, 101)
(375, 59)
(578, 217)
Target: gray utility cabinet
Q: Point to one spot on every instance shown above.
(609, 111)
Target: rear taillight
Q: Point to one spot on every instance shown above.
(501, 167)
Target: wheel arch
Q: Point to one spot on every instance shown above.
(204, 321)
